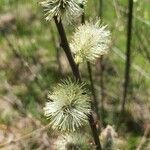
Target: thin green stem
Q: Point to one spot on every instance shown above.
(95, 102)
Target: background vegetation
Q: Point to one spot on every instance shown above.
(30, 65)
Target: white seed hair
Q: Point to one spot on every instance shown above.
(63, 9)
(69, 106)
(73, 141)
(90, 41)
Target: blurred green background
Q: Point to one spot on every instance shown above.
(31, 62)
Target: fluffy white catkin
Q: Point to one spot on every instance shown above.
(90, 41)
(68, 107)
(63, 9)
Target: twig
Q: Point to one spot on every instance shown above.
(128, 55)
(75, 70)
(101, 8)
(95, 102)
(65, 46)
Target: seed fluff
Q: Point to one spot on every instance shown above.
(63, 9)
(90, 41)
(73, 141)
(68, 107)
